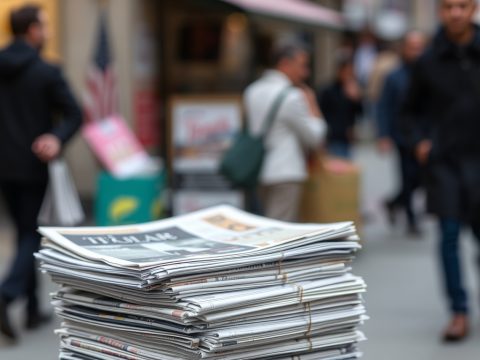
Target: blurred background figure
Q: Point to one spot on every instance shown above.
(364, 60)
(387, 60)
(296, 126)
(341, 104)
(389, 129)
(443, 111)
(365, 56)
(33, 94)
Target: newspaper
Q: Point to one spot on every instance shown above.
(215, 233)
(215, 284)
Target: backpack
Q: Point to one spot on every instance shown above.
(242, 162)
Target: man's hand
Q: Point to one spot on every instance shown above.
(352, 90)
(308, 91)
(311, 100)
(384, 145)
(46, 147)
(423, 150)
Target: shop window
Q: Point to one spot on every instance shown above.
(200, 41)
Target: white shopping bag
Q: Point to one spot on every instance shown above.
(61, 205)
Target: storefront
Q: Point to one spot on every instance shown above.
(169, 49)
(210, 51)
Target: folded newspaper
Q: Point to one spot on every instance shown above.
(215, 284)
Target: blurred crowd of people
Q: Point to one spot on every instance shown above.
(371, 84)
(423, 96)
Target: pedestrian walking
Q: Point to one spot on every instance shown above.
(341, 104)
(390, 130)
(38, 115)
(442, 112)
(296, 127)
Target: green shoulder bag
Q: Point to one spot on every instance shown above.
(242, 162)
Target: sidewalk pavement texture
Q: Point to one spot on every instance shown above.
(405, 299)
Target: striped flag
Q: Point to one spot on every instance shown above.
(100, 100)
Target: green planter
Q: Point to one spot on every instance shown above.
(129, 201)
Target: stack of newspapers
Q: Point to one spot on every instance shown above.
(214, 284)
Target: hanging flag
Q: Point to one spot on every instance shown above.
(101, 95)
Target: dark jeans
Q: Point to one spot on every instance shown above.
(452, 269)
(23, 201)
(253, 201)
(410, 180)
(341, 149)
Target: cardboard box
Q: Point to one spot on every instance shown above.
(129, 201)
(332, 192)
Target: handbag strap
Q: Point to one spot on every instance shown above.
(272, 113)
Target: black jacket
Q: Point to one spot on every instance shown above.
(340, 112)
(443, 105)
(34, 99)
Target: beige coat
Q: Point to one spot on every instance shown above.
(293, 132)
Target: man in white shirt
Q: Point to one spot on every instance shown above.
(297, 127)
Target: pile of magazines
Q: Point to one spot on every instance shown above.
(214, 284)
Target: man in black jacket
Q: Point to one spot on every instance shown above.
(38, 115)
(442, 115)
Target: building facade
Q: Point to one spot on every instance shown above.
(165, 48)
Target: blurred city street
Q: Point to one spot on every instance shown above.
(404, 295)
(354, 104)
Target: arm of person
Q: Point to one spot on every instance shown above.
(48, 146)
(415, 124)
(311, 101)
(65, 104)
(325, 102)
(304, 117)
(385, 115)
(358, 108)
(354, 94)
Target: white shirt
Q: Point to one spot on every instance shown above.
(294, 129)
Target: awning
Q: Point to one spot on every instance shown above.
(299, 11)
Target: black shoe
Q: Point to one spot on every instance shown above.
(5, 327)
(391, 210)
(37, 320)
(414, 232)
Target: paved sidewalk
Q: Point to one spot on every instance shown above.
(34, 345)
(404, 297)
